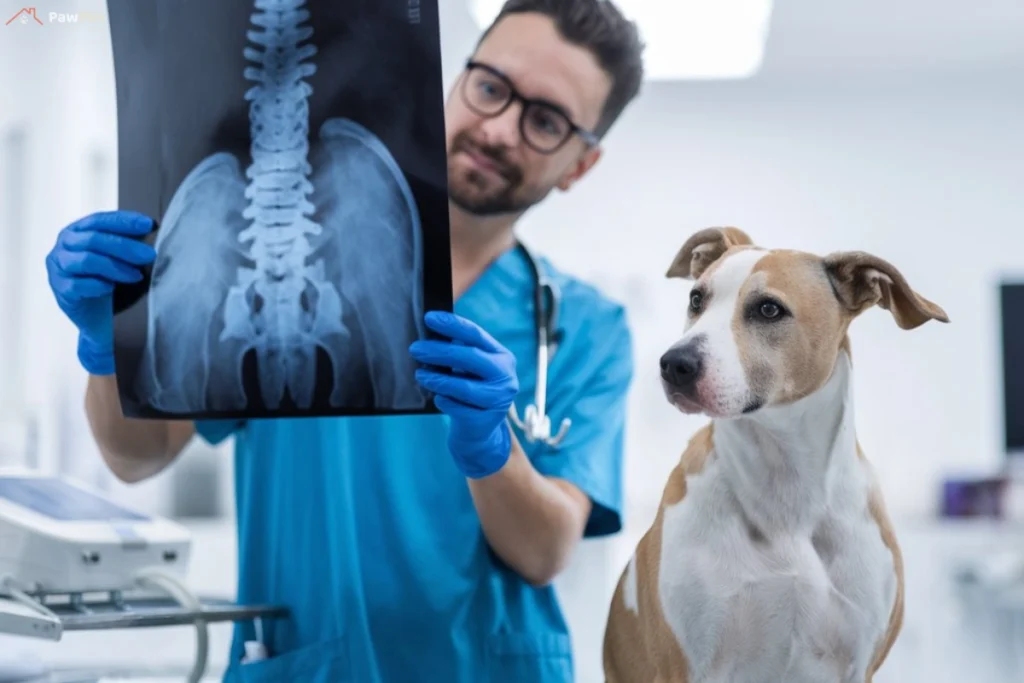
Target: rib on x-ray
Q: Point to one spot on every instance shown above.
(314, 245)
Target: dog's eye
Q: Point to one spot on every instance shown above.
(770, 310)
(696, 299)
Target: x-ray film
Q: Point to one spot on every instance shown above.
(293, 155)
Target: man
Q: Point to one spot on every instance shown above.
(422, 548)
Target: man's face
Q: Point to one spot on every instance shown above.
(491, 169)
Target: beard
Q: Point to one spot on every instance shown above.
(481, 194)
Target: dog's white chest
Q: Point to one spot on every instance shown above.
(746, 609)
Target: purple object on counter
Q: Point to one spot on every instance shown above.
(973, 497)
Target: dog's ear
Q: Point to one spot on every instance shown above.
(704, 248)
(861, 280)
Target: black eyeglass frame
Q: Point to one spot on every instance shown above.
(588, 137)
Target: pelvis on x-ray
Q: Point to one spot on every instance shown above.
(315, 245)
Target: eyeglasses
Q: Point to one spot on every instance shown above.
(544, 126)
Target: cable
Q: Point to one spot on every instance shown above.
(160, 579)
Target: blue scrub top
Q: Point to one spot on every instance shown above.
(366, 530)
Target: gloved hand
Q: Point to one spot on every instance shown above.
(477, 397)
(91, 254)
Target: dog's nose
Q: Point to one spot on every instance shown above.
(681, 366)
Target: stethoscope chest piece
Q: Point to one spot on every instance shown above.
(535, 424)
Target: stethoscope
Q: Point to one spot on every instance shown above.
(536, 425)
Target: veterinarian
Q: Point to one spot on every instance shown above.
(423, 548)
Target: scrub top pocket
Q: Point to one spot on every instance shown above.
(530, 657)
(325, 662)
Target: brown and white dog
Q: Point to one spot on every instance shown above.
(771, 558)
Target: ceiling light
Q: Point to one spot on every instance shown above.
(687, 39)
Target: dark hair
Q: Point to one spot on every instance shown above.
(600, 27)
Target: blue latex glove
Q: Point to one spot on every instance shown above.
(477, 397)
(91, 255)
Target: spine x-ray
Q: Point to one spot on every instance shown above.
(292, 153)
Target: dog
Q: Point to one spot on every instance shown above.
(771, 558)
